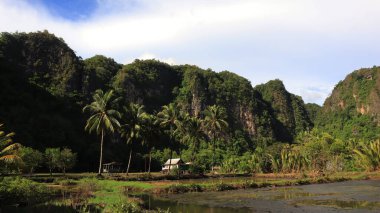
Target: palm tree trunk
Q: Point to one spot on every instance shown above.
(171, 149)
(145, 164)
(101, 154)
(150, 160)
(193, 156)
(213, 154)
(170, 160)
(129, 162)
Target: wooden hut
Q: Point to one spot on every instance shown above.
(175, 163)
(113, 167)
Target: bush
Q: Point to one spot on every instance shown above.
(249, 184)
(222, 187)
(174, 172)
(89, 184)
(195, 169)
(124, 205)
(177, 189)
(64, 182)
(194, 187)
(22, 191)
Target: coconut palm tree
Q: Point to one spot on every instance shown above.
(7, 147)
(192, 133)
(104, 117)
(149, 134)
(214, 125)
(131, 131)
(169, 118)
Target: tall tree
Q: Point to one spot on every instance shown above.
(214, 125)
(104, 117)
(149, 134)
(51, 158)
(7, 147)
(31, 159)
(131, 131)
(67, 160)
(192, 133)
(169, 118)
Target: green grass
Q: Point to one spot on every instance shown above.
(178, 188)
(108, 192)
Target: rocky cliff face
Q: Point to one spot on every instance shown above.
(288, 109)
(278, 116)
(358, 93)
(45, 60)
(244, 105)
(354, 105)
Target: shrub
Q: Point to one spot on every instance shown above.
(174, 172)
(196, 169)
(90, 184)
(176, 189)
(368, 155)
(64, 182)
(124, 205)
(222, 187)
(22, 191)
(249, 184)
(194, 187)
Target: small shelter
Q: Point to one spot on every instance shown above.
(113, 167)
(175, 163)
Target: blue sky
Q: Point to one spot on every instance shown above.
(73, 10)
(309, 44)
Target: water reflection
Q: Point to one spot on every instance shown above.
(341, 204)
(355, 196)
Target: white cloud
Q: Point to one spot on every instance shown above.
(146, 56)
(283, 39)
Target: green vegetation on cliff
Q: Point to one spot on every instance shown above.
(289, 110)
(44, 87)
(353, 109)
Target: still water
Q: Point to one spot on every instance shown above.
(350, 196)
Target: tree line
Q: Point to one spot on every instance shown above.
(133, 124)
(18, 158)
(203, 140)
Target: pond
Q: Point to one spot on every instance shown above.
(350, 196)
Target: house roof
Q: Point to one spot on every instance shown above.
(112, 163)
(175, 161)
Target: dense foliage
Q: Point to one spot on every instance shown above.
(289, 110)
(353, 109)
(150, 111)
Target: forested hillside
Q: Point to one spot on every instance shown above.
(45, 85)
(353, 109)
(289, 110)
